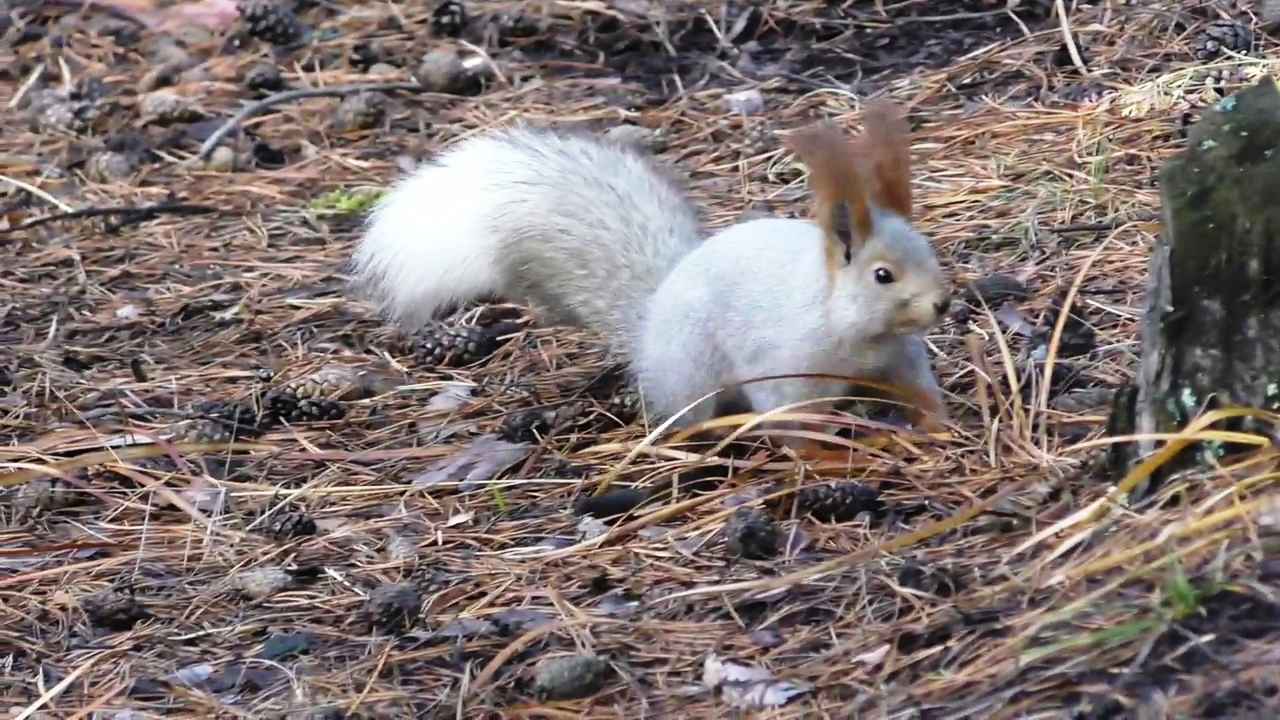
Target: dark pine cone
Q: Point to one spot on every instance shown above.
(929, 580)
(284, 406)
(393, 607)
(362, 111)
(41, 494)
(1078, 337)
(114, 610)
(205, 431)
(285, 525)
(625, 406)
(449, 18)
(994, 290)
(515, 25)
(751, 534)
(838, 501)
(530, 425)
(237, 420)
(1231, 35)
(440, 345)
(271, 22)
(264, 77)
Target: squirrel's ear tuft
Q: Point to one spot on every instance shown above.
(886, 144)
(836, 179)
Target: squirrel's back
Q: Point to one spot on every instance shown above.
(581, 228)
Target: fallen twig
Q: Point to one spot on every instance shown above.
(285, 96)
(131, 214)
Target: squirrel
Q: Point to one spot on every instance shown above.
(592, 233)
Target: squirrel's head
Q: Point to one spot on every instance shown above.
(881, 270)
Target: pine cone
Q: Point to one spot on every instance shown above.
(362, 111)
(285, 525)
(203, 431)
(393, 607)
(282, 405)
(443, 346)
(237, 420)
(104, 476)
(570, 677)
(448, 19)
(1220, 35)
(625, 406)
(231, 412)
(515, 25)
(43, 494)
(264, 77)
(114, 610)
(994, 290)
(929, 580)
(751, 534)
(271, 22)
(838, 501)
(529, 425)
(334, 382)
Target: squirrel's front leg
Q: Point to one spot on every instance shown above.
(912, 377)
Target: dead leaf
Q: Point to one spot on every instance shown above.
(872, 657)
(465, 627)
(617, 606)
(519, 620)
(459, 519)
(205, 497)
(716, 672)
(453, 397)
(191, 675)
(767, 637)
(590, 528)
(755, 696)
(331, 524)
(749, 687)
(213, 14)
(1012, 318)
(478, 462)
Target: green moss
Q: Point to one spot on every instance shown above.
(346, 201)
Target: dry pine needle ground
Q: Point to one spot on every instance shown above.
(329, 564)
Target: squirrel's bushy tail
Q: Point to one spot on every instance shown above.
(582, 229)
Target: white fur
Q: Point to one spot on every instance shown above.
(427, 243)
(754, 301)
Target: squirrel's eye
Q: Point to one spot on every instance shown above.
(884, 276)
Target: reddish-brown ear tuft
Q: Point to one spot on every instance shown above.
(886, 143)
(836, 180)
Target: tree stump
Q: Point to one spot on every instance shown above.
(1211, 332)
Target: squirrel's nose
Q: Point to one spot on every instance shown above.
(942, 306)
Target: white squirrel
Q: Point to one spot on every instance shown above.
(591, 233)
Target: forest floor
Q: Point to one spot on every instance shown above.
(230, 490)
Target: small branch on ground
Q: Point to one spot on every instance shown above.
(285, 96)
(128, 214)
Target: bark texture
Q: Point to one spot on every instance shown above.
(1211, 331)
